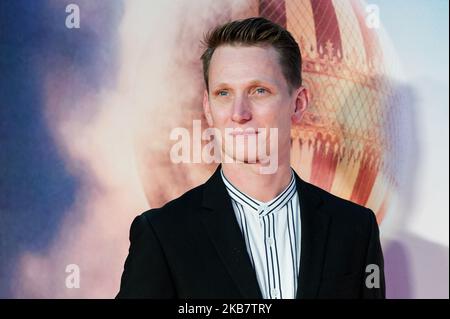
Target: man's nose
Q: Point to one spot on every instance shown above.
(241, 110)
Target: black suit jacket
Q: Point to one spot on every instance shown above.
(192, 247)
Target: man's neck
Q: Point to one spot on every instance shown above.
(249, 180)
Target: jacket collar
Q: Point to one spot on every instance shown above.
(258, 207)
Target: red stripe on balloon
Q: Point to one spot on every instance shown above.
(274, 10)
(324, 162)
(327, 27)
(370, 38)
(365, 180)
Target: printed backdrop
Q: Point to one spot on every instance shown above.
(86, 115)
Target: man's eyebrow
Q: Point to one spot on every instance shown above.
(250, 83)
(221, 85)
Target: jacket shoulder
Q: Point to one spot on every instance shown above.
(346, 211)
(177, 210)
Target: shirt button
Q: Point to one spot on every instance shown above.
(270, 241)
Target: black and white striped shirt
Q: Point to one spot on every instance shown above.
(272, 234)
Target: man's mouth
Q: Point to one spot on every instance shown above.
(242, 132)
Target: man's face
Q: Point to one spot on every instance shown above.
(247, 92)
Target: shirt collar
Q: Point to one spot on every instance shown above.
(261, 208)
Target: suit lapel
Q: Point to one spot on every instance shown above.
(221, 225)
(314, 229)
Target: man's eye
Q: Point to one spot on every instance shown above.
(260, 90)
(222, 93)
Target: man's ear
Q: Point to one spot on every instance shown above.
(301, 103)
(207, 109)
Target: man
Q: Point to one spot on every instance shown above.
(244, 233)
